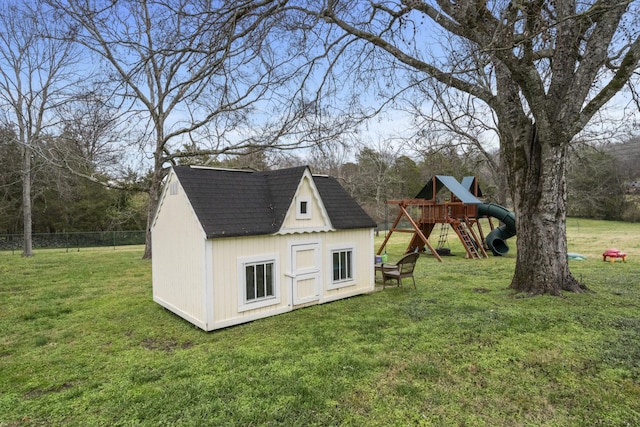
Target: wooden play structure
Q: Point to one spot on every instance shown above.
(452, 204)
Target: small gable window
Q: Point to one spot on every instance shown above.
(304, 208)
(173, 188)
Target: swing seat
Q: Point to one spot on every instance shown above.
(443, 251)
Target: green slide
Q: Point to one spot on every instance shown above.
(496, 238)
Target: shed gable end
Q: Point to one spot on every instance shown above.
(174, 207)
(307, 211)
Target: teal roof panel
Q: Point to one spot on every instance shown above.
(458, 190)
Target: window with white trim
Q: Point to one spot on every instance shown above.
(257, 282)
(342, 265)
(303, 210)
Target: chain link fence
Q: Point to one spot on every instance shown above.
(14, 242)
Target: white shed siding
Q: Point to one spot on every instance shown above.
(178, 247)
(361, 241)
(227, 252)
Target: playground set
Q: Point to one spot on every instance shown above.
(457, 205)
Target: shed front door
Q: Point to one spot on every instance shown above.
(305, 272)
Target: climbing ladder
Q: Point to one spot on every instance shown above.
(469, 240)
(444, 236)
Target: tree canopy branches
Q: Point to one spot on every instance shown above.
(543, 68)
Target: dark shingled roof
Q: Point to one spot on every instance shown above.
(343, 211)
(232, 203)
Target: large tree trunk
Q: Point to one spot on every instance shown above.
(539, 194)
(503, 188)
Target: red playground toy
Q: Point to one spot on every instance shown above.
(612, 254)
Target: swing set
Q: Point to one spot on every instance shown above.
(458, 209)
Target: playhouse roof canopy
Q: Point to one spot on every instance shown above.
(232, 203)
(461, 191)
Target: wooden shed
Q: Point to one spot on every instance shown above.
(232, 246)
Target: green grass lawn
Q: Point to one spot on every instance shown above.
(82, 343)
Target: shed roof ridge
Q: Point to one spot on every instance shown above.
(215, 168)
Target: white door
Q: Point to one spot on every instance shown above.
(305, 272)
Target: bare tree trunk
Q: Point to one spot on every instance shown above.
(154, 199)
(155, 187)
(539, 193)
(27, 250)
(502, 182)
